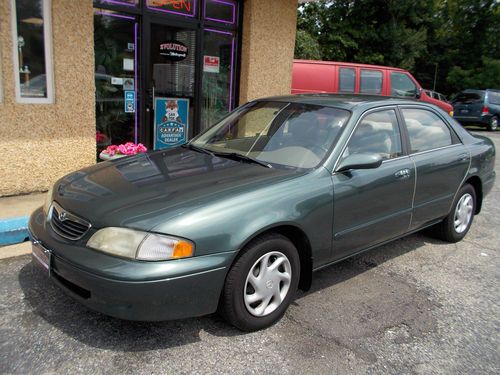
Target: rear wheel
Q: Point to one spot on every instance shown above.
(458, 222)
(493, 124)
(261, 283)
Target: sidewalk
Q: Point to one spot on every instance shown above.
(13, 210)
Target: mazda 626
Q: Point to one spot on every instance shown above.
(240, 217)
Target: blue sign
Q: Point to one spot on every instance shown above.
(171, 122)
(129, 101)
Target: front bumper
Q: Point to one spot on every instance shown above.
(132, 290)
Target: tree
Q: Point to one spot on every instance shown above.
(457, 39)
(306, 46)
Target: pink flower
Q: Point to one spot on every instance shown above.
(128, 148)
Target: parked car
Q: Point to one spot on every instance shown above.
(348, 78)
(478, 107)
(436, 95)
(241, 216)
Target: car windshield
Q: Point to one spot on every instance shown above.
(276, 133)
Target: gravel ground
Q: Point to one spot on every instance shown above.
(415, 306)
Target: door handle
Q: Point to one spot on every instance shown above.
(403, 174)
(463, 157)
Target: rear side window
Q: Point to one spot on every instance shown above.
(347, 79)
(426, 130)
(378, 133)
(469, 97)
(494, 97)
(402, 85)
(371, 81)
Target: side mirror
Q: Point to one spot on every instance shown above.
(360, 161)
(418, 93)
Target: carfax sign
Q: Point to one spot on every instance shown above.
(171, 122)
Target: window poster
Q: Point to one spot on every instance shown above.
(171, 122)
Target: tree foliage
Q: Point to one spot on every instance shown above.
(458, 39)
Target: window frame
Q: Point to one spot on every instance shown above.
(361, 70)
(402, 134)
(49, 61)
(455, 139)
(339, 80)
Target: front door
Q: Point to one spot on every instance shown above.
(373, 205)
(171, 82)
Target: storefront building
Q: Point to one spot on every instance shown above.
(77, 76)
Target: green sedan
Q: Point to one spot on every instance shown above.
(239, 218)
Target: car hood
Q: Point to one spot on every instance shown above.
(146, 190)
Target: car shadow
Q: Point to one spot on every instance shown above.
(97, 330)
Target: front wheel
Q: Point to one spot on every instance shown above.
(458, 222)
(493, 124)
(261, 283)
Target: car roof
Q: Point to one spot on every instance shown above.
(349, 64)
(348, 102)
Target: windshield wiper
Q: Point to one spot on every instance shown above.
(234, 155)
(198, 149)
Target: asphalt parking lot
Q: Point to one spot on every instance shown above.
(415, 306)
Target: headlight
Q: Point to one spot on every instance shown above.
(135, 244)
(48, 200)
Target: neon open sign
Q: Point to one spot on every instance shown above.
(184, 7)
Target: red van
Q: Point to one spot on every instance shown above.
(347, 78)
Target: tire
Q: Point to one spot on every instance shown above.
(249, 307)
(493, 124)
(458, 222)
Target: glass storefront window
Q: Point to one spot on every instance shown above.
(218, 72)
(182, 7)
(221, 11)
(32, 43)
(116, 78)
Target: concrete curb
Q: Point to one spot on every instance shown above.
(13, 230)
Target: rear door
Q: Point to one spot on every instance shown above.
(441, 162)
(373, 205)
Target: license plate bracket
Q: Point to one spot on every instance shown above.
(42, 256)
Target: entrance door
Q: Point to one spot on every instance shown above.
(170, 107)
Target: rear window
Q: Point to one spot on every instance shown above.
(494, 97)
(347, 78)
(469, 97)
(371, 81)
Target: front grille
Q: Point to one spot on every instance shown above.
(66, 224)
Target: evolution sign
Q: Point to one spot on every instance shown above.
(173, 50)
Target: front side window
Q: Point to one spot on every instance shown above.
(377, 133)
(370, 82)
(279, 133)
(426, 130)
(32, 61)
(402, 85)
(347, 79)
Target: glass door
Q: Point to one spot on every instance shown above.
(171, 84)
(116, 78)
